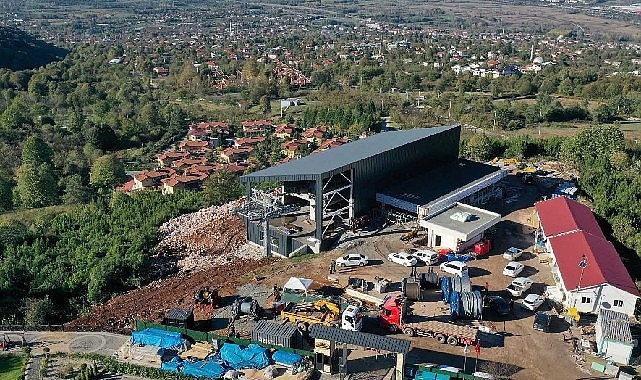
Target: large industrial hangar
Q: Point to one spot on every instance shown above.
(321, 194)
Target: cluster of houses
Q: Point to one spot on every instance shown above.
(211, 146)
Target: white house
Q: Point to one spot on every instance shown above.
(458, 226)
(585, 266)
(613, 336)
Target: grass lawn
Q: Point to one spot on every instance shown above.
(10, 367)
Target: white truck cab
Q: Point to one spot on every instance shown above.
(352, 319)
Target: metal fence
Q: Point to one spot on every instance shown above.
(202, 336)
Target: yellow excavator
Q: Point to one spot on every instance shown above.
(309, 313)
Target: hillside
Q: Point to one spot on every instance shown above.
(20, 51)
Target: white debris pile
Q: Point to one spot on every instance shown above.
(207, 236)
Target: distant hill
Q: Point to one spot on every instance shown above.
(20, 51)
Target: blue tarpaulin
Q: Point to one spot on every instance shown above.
(286, 358)
(254, 356)
(201, 368)
(173, 365)
(160, 338)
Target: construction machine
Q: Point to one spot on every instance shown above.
(309, 313)
(206, 298)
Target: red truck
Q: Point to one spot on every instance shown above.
(393, 315)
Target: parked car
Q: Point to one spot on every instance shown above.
(352, 260)
(456, 268)
(497, 304)
(513, 269)
(532, 301)
(519, 285)
(542, 321)
(512, 253)
(402, 258)
(427, 256)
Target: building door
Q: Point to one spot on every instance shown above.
(437, 240)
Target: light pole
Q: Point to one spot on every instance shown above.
(583, 264)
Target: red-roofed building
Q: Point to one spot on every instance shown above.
(332, 143)
(194, 146)
(315, 134)
(563, 215)
(168, 158)
(148, 179)
(569, 232)
(174, 184)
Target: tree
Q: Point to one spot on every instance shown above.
(35, 186)
(479, 147)
(35, 151)
(74, 190)
(37, 311)
(265, 104)
(222, 187)
(107, 171)
(6, 185)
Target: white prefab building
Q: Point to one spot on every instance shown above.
(613, 336)
(458, 226)
(585, 266)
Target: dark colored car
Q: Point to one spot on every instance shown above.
(542, 321)
(497, 304)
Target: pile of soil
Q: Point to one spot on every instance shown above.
(153, 301)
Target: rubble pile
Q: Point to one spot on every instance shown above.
(204, 238)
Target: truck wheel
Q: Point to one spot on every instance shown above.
(441, 338)
(391, 328)
(361, 264)
(451, 340)
(302, 326)
(408, 331)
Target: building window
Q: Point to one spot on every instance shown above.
(437, 240)
(618, 303)
(586, 300)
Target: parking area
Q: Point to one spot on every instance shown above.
(516, 349)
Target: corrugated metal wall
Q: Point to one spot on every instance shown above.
(390, 167)
(286, 243)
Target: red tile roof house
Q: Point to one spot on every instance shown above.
(175, 183)
(167, 158)
(291, 148)
(150, 179)
(332, 143)
(194, 146)
(232, 154)
(568, 230)
(249, 141)
(284, 131)
(315, 134)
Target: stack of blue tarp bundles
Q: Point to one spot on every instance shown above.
(254, 356)
(173, 365)
(159, 338)
(202, 368)
(286, 358)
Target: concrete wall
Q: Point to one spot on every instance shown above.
(618, 352)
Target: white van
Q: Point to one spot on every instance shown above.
(456, 268)
(352, 319)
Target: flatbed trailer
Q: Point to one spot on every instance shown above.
(444, 332)
(304, 315)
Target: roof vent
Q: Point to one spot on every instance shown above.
(462, 216)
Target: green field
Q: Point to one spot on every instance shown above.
(10, 367)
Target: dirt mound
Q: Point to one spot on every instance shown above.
(152, 302)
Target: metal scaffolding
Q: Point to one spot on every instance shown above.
(262, 206)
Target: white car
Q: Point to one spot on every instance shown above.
(402, 258)
(352, 260)
(427, 256)
(512, 253)
(513, 269)
(519, 285)
(532, 301)
(456, 268)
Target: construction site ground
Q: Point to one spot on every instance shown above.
(519, 353)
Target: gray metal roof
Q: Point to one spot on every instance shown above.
(615, 325)
(434, 184)
(360, 338)
(180, 314)
(339, 158)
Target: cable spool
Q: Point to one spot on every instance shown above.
(466, 304)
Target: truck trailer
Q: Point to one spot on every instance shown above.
(393, 318)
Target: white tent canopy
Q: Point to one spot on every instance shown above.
(297, 283)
